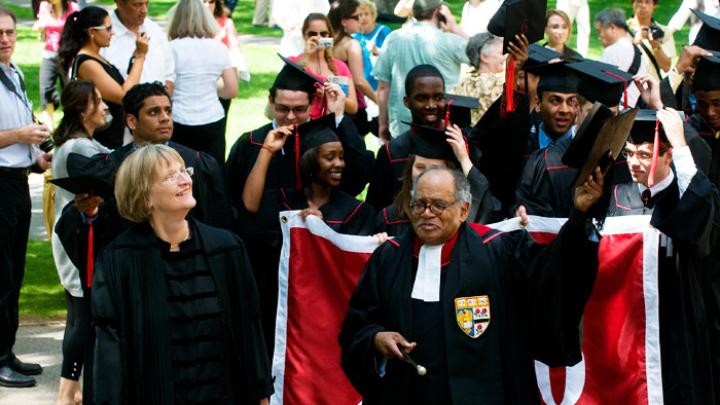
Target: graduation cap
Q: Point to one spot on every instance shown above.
(598, 142)
(317, 132)
(430, 142)
(708, 37)
(85, 185)
(516, 17)
(648, 129)
(602, 82)
(294, 77)
(540, 55)
(555, 77)
(707, 73)
(457, 109)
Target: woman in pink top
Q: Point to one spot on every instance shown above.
(51, 20)
(318, 60)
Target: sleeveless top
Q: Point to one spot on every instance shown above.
(112, 136)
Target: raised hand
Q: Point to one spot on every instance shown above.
(587, 194)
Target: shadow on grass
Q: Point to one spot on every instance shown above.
(42, 296)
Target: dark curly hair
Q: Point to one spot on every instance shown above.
(135, 97)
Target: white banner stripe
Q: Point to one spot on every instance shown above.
(653, 369)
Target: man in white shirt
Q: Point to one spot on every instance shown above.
(619, 48)
(129, 20)
(18, 153)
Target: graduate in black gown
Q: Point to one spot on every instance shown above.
(149, 116)
(438, 148)
(706, 89)
(429, 106)
(472, 305)
(685, 207)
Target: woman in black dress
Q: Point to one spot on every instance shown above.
(85, 32)
(174, 301)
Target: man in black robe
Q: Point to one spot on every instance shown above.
(290, 99)
(684, 207)
(706, 89)
(472, 305)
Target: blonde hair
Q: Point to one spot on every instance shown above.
(370, 6)
(136, 175)
(561, 14)
(190, 18)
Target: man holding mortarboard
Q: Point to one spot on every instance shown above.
(684, 207)
(290, 99)
(454, 313)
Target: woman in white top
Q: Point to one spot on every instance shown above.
(200, 61)
(84, 112)
(476, 15)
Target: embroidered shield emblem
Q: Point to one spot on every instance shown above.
(473, 314)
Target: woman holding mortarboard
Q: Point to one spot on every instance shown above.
(321, 167)
(438, 148)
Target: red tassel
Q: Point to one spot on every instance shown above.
(447, 111)
(510, 85)
(298, 181)
(656, 152)
(90, 264)
(625, 92)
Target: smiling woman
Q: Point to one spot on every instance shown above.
(194, 297)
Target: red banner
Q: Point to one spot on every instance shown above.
(621, 360)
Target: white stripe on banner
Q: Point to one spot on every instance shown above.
(653, 369)
(348, 243)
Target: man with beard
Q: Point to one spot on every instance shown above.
(684, 207)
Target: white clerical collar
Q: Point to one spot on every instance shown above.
(658, 187)
(427, 278)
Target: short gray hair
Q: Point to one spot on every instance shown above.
(462, 186)
(480, 44)
(191, 18)
(612, 16)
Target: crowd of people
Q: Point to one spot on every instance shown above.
(167, 242)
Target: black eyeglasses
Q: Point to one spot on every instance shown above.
(324, 34)
(436, 207)
(8, 33)
(283, 109)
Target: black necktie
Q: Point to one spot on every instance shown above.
(646, 196)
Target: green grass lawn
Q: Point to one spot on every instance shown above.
(42, 296)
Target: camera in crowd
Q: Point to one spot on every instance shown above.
(325, 43)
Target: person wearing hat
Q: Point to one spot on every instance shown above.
(455, 313)
(434, 39)
(290, 98)
(438, 148)
(619, 48)
(667, 185)
(706, 89)
(427, 102)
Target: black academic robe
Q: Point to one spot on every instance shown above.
(546, 185)
(208, 190)
(688, 284)
(708, 135)
(505, 140)
(678, 99)
(389, 165)
(536, 298)
(133, 363)
(343, 212)
(484, 207)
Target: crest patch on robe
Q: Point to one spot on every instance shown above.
(473, 314)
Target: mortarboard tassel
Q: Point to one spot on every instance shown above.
(656, 151)
(509, 85)
(625, 92)
(447, 111)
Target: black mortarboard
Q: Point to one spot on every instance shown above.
(643, 129)
(85, 185)
(708, 37)
(430, 142)
(317, 132)
(458, 109)
(555, 77)
(294, 77)
(516, 17)
(707, 73)
(601, 82)
(598, 142)
(540, 55)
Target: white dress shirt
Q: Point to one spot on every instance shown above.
(159, 64)
(621, 54)
(15, 112)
